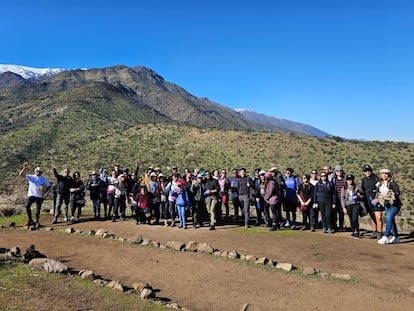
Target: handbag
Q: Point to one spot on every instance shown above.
(80, 200)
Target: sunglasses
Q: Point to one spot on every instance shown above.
(323, 175)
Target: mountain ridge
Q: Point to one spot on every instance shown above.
(144, 84)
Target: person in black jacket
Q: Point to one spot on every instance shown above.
(211, 197)
(325, 200)
(369, 188)
(62, 193)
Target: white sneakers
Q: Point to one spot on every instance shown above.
(385, 240)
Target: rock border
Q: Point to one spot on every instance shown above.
(206, 248)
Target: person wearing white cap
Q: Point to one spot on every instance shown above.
(388, 195)
(38, 188)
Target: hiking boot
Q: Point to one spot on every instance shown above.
(54, 221)
(272, 228)
(212, 228)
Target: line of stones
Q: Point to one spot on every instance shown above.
(193, 246)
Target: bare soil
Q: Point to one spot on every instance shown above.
(381, 274)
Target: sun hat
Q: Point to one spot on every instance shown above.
(385, 171)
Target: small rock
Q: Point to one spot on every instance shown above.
(244, 307)
(191, 246)
(87, 275)
(136, 239)
(140, 286)
(156, 244)
(205, 248)
(173, 305)
(217, 253)
(107, 235)
(262, 261)
(121, 240)
(178, 246)
(16, 251)
(309, 271)
(147, 293)
(32, 253)
(69, 230)
(100, 232)
(100, 282)
(12, 225)
(233, 255)
(49, 265)
(225, 254)
(49, 229)
(115, 285)
(146, 242)
(91, 232)
(285, 266)
(271, 263)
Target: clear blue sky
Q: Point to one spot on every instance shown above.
(345, 67)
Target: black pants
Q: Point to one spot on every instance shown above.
(353, 213)
(314, 216)
(276, 213)
(29, 202)
(326, 213)
(338, 215)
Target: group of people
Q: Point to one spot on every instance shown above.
(323, 199)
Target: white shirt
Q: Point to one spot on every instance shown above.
(34, 183)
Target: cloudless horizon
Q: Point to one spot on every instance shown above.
(344, 67)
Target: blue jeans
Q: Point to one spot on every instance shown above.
(390, 225)
(181, 214)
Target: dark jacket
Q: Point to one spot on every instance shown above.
(63, 183)
(325, 192)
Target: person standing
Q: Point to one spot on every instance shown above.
(272, 198)
(94, 185)
(234, 186)
(62, 193)
(388, 195)
(338, 213)
(305, 197)
(325, 200)
(369, 188)
(211, 197)
(77, 194)
(351, 195)
(38, 188)
(245, 185)
(290, 200)
(197, 189)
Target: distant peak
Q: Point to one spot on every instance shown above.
(29, 72)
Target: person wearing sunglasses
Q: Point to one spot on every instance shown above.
(325, 200)
(38, 189)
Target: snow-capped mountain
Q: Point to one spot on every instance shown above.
(29, 72)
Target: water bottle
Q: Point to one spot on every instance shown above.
(354, 198)
(371, 199)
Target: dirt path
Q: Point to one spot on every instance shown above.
(383, 273)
